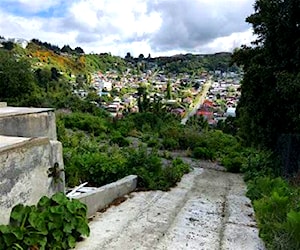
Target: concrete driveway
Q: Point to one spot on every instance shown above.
(207, 210)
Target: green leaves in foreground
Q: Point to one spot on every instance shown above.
(54, 223)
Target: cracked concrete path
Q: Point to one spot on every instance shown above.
(207, 210)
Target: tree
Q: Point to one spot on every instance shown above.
(128, 56)
(169, 90)
(79, 50)
(17, 81)
(43, 77)
(141, 57)
(269, 104)
(67, 49)
(143, 101)
(8, 45)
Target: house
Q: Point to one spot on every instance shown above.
(230, 112)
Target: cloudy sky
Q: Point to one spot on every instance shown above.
(159, 27)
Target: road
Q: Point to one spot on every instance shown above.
(200, 99)
(207, 210)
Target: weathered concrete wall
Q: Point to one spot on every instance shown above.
(27, 122)
(104, 195)
(24, 163)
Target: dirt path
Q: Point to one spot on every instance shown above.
(207, 210)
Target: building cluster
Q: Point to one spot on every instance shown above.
(176, 92)
(221, 99)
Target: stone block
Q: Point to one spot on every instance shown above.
(103, 196)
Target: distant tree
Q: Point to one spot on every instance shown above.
(169, 90)
(67, 49)
(141, 57)
(17, 81)
(143, 102)
(8, 45)
(43, 77)
(79, 50)
(54, 74)
(128, 56)
(46, 45)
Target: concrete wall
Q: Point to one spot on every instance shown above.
(27, 122)
(23, 171)
(103, 196)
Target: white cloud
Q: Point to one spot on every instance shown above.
(229, 43)
(159, 27)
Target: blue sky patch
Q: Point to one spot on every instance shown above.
(22, 10)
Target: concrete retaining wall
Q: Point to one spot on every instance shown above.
(24, 163)
(27, 122)
(103, 196)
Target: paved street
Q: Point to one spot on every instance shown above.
(200, 100)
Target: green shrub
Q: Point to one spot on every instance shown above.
(150, 170)
(264, 186)
(189, 138)
(170, 143)
(259, 163)
(271, 215)
(174, 172)
(219, 142)
(276, 205)
(85, 122)
(203, 153)
(292, 228)
(118, 139)
(233, 162)
(153, 142)
(54, 223)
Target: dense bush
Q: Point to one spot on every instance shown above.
(264, 186)
(117, 138)
(277, 213)
(276, 202)
(259, 163)
(170, 143)
(152, 173)
(54, 223)
(85, 122)
(233, 162)
(203, 153)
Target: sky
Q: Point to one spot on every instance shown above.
(156, 27)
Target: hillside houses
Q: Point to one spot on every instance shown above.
(221, 101)
(223, 93)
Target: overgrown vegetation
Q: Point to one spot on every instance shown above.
(99, 149)
(271, 80)
(54, 223)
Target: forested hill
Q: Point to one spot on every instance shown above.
(66, 60)
(76, 61)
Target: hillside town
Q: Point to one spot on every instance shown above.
(177, 93)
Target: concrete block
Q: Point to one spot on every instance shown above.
(103, 196)
(28, 122)
(24, 163)
(3, 104)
